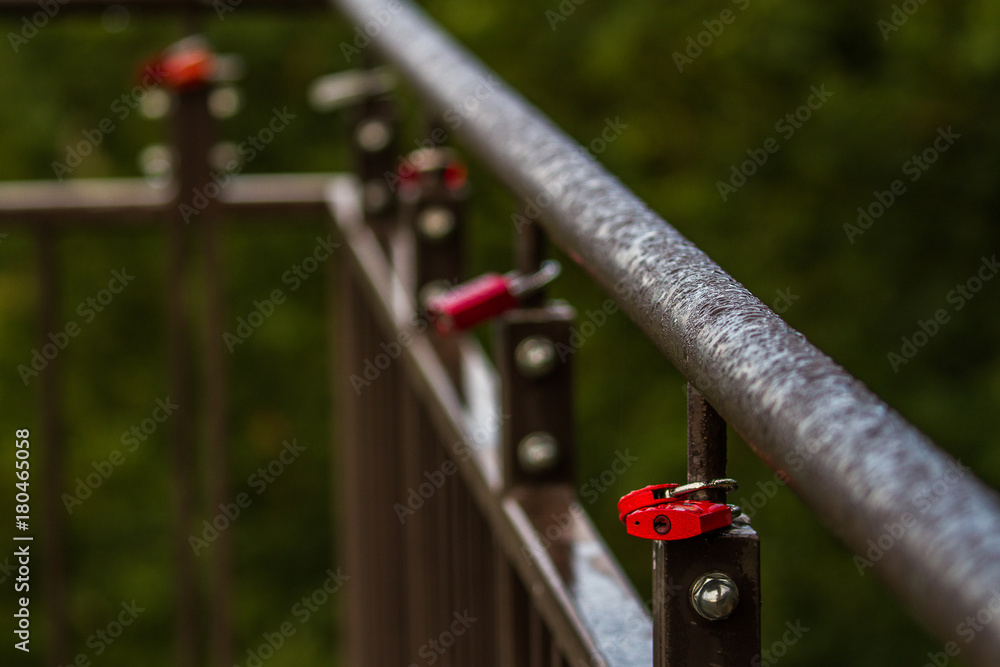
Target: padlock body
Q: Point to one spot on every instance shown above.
(678, 520)
(471, 303)
(188, 70)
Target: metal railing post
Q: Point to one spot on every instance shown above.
(374, 431)
(706, 589)
(53, 546)
(537, 455)
(190, 148)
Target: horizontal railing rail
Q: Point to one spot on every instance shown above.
(853, 460)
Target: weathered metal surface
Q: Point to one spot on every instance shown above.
(682, 636)
(706, 445)
(585, 600)
(853, 460)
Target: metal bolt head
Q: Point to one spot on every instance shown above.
(376, 196)
(538, 452)
(435, 222)
(714, 596)
(535, 357)
(373, 134)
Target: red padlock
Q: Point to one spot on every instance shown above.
(486, 297)
(663, 512)
(678, 520)
(188, 69)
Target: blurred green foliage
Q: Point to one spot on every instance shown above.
(783, 231)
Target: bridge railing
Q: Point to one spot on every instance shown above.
(456, 465)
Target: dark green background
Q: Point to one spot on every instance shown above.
(783, 230)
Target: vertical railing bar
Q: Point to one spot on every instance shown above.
(461, 505)
(414, 527)
(216, 406)
(706, 444)
(53, 532)
(680, 633)
(480, 586)
(334, 311)
(512, 611)
(555, 655)
(436, 568)
(181, 447)
(446, 555)
(387, 475)
(539, 639)
(350, 475)
(192, 140)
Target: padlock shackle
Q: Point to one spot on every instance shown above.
(522, 285)
(655, 494)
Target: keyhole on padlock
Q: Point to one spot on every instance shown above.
(661, 524)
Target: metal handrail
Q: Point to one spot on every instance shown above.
(854, 461)
(859, 465)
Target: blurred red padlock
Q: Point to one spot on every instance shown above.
(188, 69)
(486, 297)
(184, 66)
